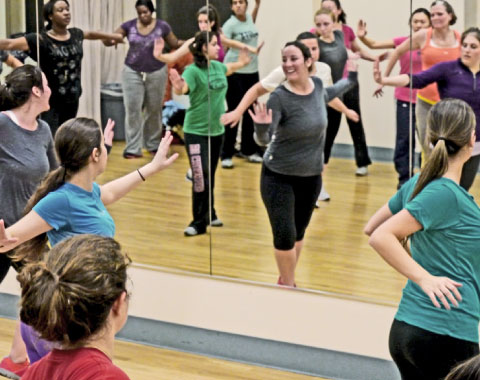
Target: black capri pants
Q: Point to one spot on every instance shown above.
(424, 355)
(289, 201)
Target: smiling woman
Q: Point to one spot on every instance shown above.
(293, 162)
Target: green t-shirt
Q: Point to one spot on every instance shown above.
(196, 119)
(243, 31)
(447, 245)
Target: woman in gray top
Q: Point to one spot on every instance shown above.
(26, 156)
(294, 123)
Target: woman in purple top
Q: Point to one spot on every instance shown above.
(404, 151)
(144, 79)
(455, 79)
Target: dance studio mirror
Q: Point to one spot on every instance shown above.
(336, 258)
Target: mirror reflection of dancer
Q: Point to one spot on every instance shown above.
(404, 156)
(208, 20)
(241, 27)
(458, 79)
(293, 123)
(69, 201)
(203, 80)
(336, 37)
(77, 298)
(61, 55)
(144, 79)
(277, 77)
(436, 325)
(437, 44)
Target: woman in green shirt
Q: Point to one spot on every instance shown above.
(206, 84)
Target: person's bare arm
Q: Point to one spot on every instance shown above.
(27, 228)
(180, 87)
(99, 35)
(370, 42)
(229, 43)
(173, 56)
(243, 60)
(119, 31)
(401, 80)
(173, 41)
(19, 43)
(255, 10)
(13, 62)
(338, 105)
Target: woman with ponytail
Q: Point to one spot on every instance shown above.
(26, 155)
(206, 84)
(77, 298)
(69, 201)
(436, 325)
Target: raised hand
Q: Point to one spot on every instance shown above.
(361, 29)
(108, 132)
(6, 242)
(158, 47)
(260, 114)
(258, 48)
(441, 289)
(379, 91)
(176, 79)
(160, 160)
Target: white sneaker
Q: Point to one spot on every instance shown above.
(189, 175)
(362, 171)
(323, 196)
(216, 223)
(227, 163)
(255, 158)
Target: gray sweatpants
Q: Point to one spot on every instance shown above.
(143, 90)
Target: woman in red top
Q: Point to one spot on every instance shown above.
(77, 298)
(437, 44)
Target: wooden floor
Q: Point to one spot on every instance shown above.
(336, 257)
(144, 362)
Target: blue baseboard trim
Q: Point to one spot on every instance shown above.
(239, 348)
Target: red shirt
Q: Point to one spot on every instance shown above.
(78, 364)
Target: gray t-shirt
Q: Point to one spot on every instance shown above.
(25, 158)
(334, 54)
(296, 135)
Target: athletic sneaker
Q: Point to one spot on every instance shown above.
(255, 158)
(189, 175)
(323, 196)
(227, 163)
(362, 171)
(7, 365)
(216, 223)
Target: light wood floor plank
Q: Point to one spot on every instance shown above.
(143, 362)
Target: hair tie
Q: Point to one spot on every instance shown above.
(449, 145)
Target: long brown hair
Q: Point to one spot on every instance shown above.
(18, 86)
(67, 297)
(450, 124)
(74, 142)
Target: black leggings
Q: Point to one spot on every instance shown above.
(289, 201)
(423, 355)
(352, 100)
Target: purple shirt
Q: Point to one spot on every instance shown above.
(140, 53)
(403, 93)
(454, 80)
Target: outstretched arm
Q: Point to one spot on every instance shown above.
(233, 117)
(107, 37)
(243, 60)
(371, 43)
(19, 43)
(179, 85)
(27, 228)
(338, 105)
(229, 43)
(396, 81)
(173, 56)
(116, 189)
